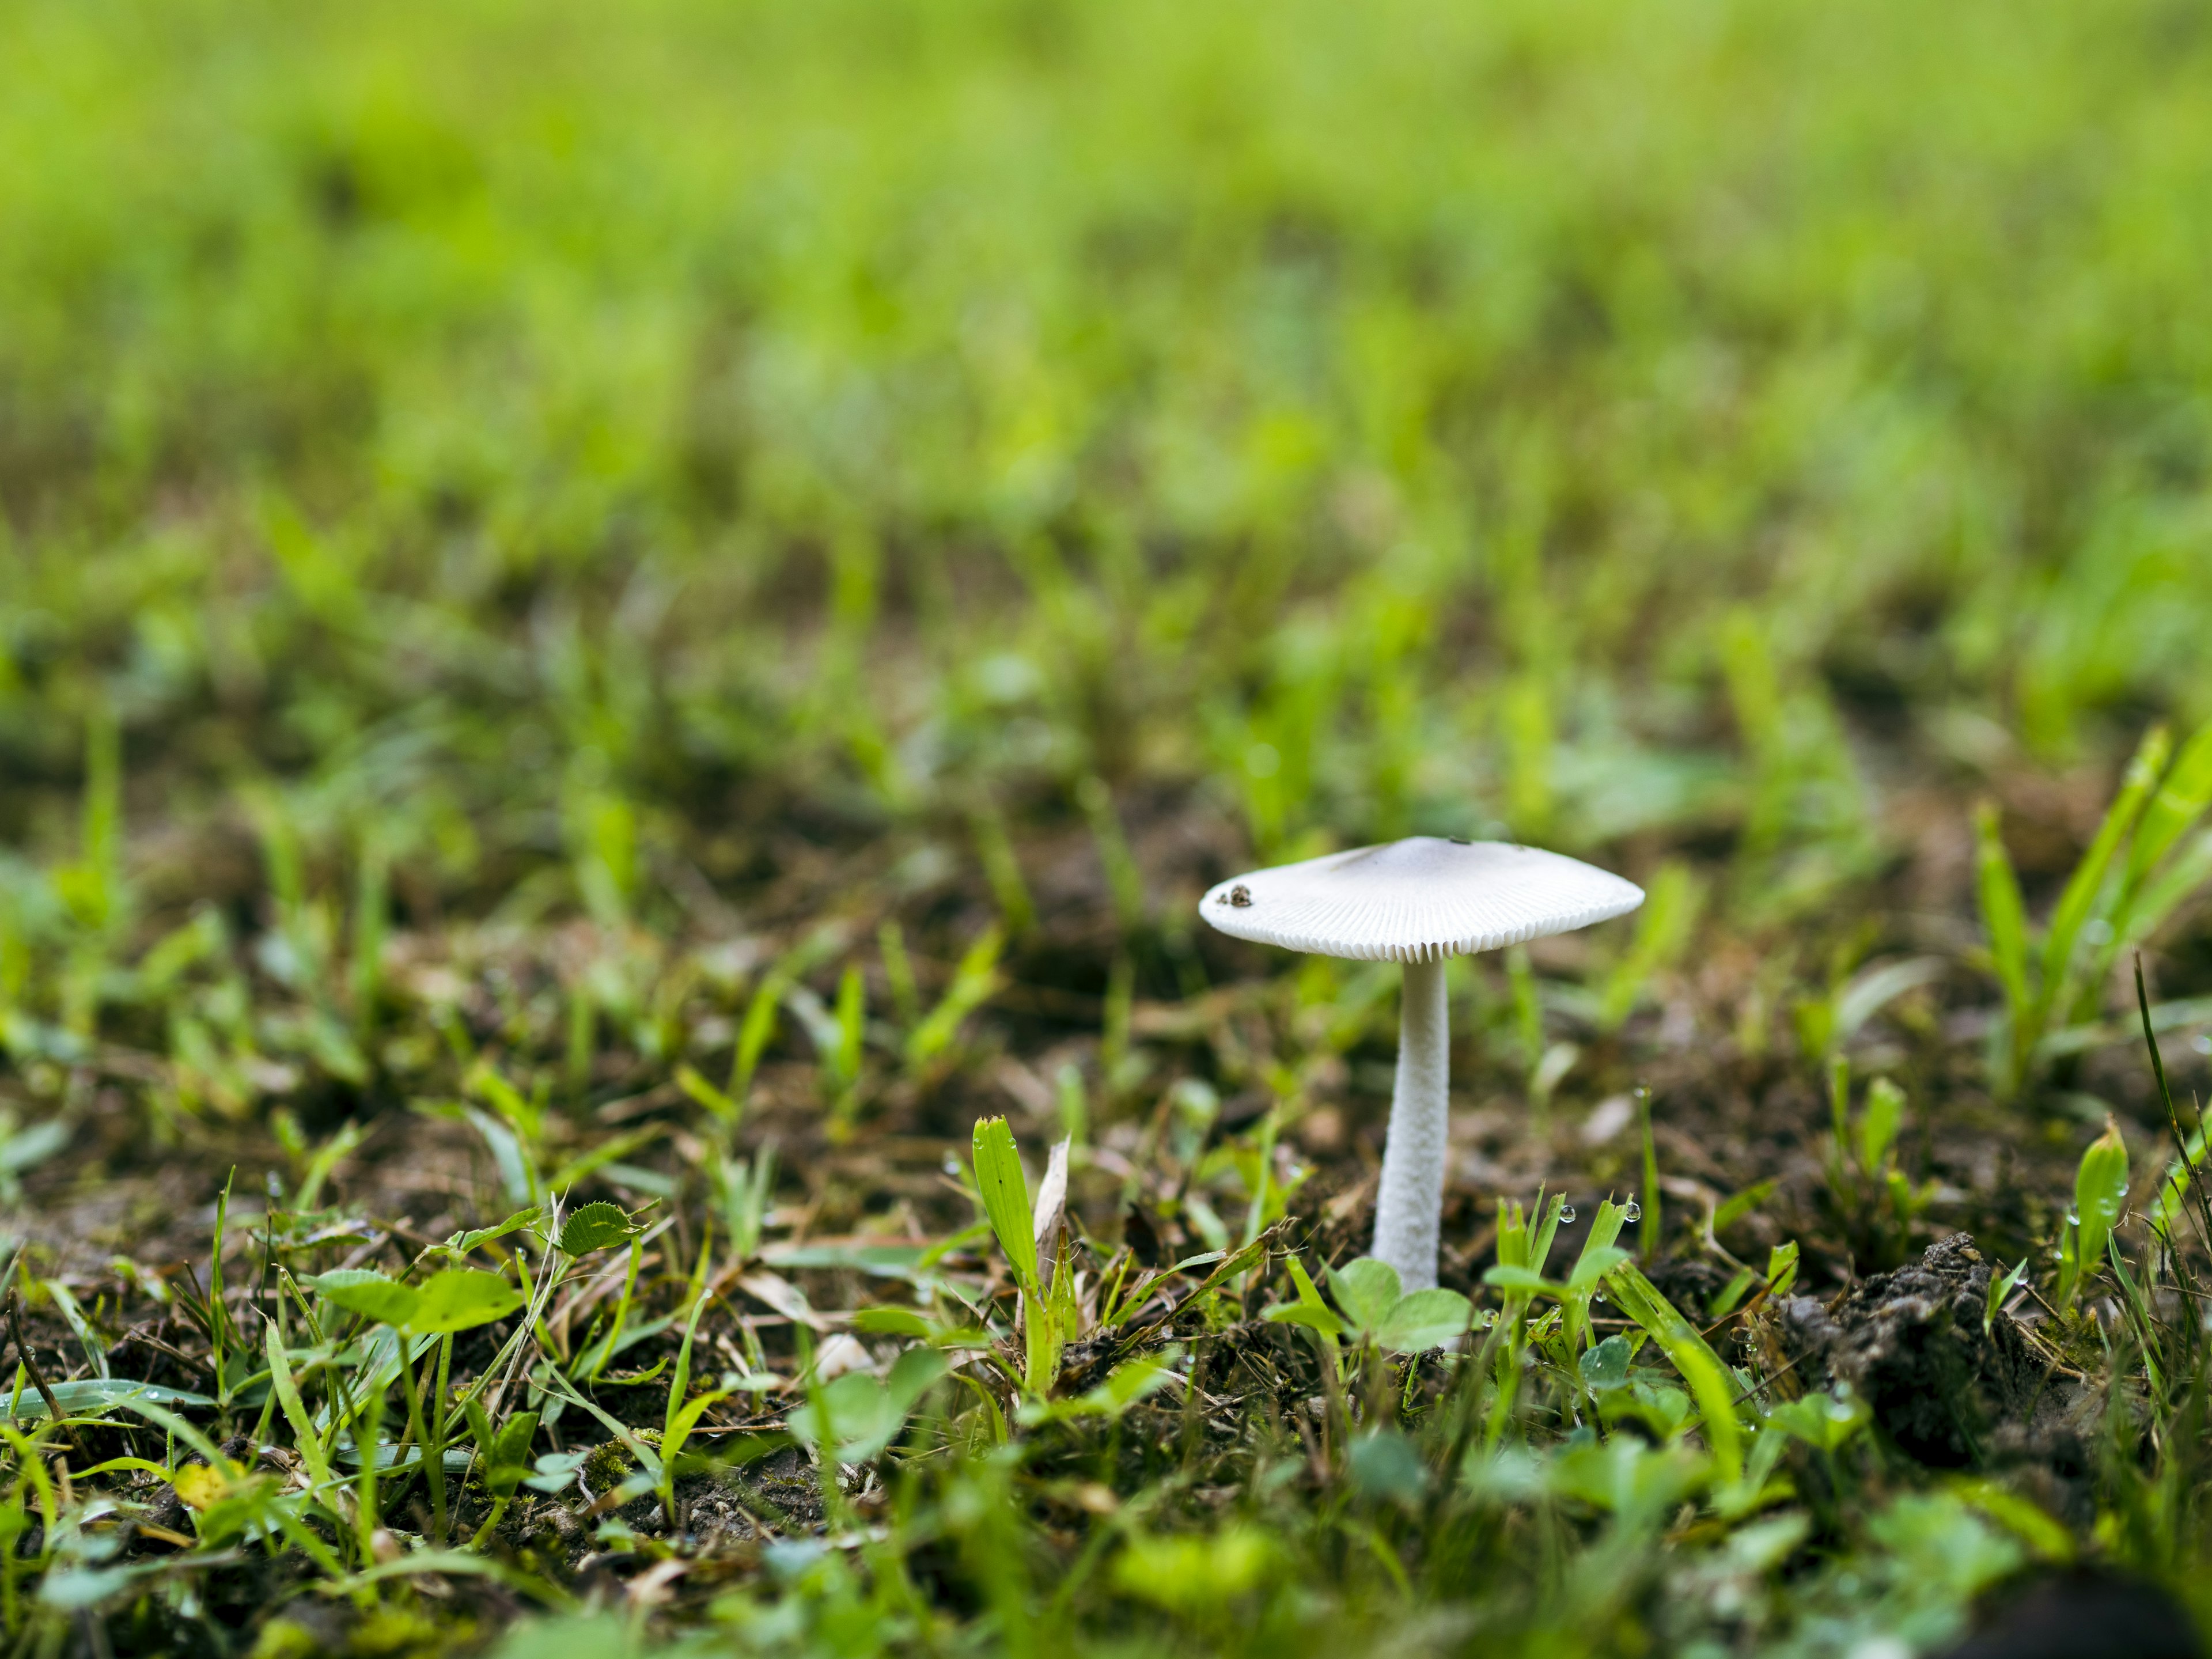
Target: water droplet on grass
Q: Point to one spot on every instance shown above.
(1631, 1211)
(1567, 1213)
(2073, 1216)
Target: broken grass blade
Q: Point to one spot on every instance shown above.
(1710, 1384)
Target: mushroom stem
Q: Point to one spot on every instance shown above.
(1409, 1208)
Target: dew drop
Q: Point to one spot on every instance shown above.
(951, 1165)
(2072, 1215)
(1839, 1412)
(1600, 1297)
(1631, 1211)
(1843, 1390)
(1567, 1213)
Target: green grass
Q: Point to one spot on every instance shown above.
(617, 627)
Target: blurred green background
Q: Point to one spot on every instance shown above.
(537, 427)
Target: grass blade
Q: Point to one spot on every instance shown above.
(1005, 1193)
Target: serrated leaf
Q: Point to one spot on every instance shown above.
(371, 1294)
(460, 1300)
(596, 1227)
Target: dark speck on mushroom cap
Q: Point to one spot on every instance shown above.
(1418, 900)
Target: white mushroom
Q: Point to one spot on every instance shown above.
(1418, 901)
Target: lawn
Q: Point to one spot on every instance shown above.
(629, 635)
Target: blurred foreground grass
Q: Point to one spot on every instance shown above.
(586, 595)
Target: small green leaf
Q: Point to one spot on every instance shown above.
(1606, 1366)
(373, 1295)
(1384, 1467)
(1739, 1205)
(1006, 1192)
(460, 1300)
(1426, 1319)
(1878, 1123)
(1366, 1290)
(2078, 903)
(1130, 1381)
(1297, 1313)
(865, 1415)
(2003, 915)
(1134, 1380)
(508, 1459)
(557, 1471)
(2101, 1184)
(1781, 1270)
(2001, 1286)
(715, 1100)
(596, 1227)
(1308, 1309)
(1819, 1420)
(1731, 1293)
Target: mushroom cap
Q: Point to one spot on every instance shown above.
(1417, 900)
